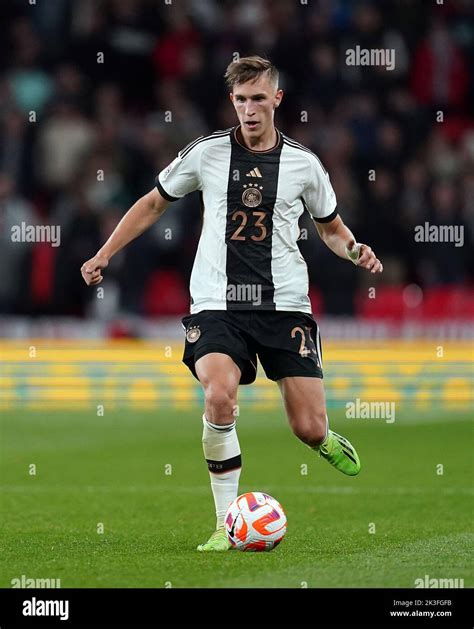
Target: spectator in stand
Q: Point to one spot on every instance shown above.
(440, 75)
(63, 142)
(14, 255)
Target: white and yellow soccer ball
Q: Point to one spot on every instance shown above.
(255, 522)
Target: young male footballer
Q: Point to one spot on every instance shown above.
(249, 283)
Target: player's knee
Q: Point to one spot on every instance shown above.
(310, 435)
(311, 431)
(220, 404)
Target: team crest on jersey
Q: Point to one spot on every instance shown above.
(251, 196)
(193, 334)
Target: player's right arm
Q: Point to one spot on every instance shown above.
(146, 211)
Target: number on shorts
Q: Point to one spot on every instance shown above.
(303, 351)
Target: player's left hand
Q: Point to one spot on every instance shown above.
(368, 260)
(362, 255)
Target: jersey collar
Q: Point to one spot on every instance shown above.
(277, 145)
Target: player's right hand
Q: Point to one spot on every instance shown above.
(91, 270)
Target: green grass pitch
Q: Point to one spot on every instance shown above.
(112, 470)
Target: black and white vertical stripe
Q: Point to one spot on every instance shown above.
(249, 261)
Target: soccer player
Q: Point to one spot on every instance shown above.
(249, 284)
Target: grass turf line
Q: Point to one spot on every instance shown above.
(111, 470)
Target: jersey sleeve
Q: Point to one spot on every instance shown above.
(318, 196)
(183, 175)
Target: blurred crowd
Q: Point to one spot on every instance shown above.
(97, 96)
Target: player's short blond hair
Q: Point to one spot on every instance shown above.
(249, 68)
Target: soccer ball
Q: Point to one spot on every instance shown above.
(255, 522)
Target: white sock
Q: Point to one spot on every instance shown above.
(222, 452)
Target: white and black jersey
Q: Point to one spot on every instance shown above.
(247, 256)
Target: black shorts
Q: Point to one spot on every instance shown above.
(286, 343)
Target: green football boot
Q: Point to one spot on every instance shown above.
(340, 453)
(218, 542)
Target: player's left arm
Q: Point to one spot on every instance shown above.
(339, 238)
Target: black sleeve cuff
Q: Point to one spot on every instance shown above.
(326, 219)
(163, 192)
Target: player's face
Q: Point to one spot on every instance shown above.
(255, 103)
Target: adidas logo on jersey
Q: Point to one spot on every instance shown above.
(254, 173)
